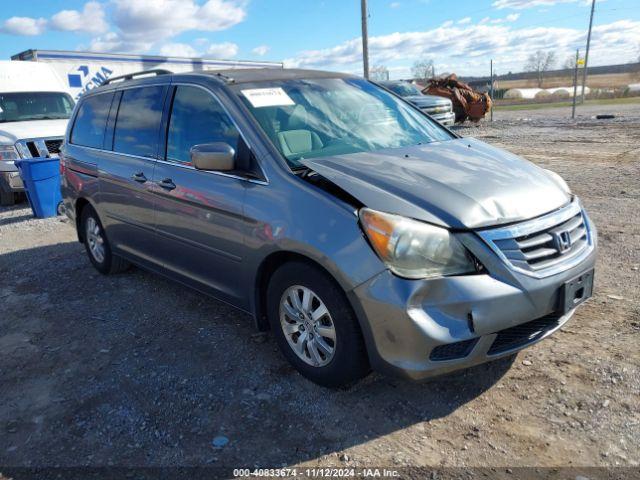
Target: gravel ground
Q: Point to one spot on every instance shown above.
(135, 370)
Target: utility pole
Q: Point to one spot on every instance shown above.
(586, 55)
(365, 39)
(575, 84)
(491, 94)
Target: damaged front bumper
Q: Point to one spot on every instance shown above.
(423, 328)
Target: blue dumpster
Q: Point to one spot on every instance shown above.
(41, 178)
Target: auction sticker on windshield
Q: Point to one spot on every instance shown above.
(268, 97)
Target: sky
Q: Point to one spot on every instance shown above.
(461, 36)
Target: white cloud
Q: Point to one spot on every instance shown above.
(522, 4)
(168, 18)
(394, 4)
(464, 21)
(447, 24)
(90, 20)
(467, 49)
(114, 42)
(24, 26)
(136, 25)
(142, 24)
(509, 18)
(260, 50)
(222, 50)
(178, 50)
(202, 48)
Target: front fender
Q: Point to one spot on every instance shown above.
(300, 218)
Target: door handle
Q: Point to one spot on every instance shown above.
(167, 184)
(139, 177)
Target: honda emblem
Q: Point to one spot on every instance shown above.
(562, 241)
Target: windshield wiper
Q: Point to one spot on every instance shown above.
(48, 117)
(303, 171)
(31, 119)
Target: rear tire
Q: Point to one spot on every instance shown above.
(97, 244)
(7, 198)
(327, 348)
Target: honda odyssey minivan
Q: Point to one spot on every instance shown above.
(356, 228)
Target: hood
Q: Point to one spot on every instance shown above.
(423, 101)
(462, 183)
(11, 132)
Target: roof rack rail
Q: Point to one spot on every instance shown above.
(131, 76)
(225, 78)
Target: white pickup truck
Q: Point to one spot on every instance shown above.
(34, 110)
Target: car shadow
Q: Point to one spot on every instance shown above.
(16, 219)
(133, 369)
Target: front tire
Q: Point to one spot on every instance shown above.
(97, 244)
(315, 326)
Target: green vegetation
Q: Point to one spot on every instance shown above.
(537, 106)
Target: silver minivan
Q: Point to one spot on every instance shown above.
(356, 228)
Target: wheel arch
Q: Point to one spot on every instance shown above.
(266, 270)
(79, 206)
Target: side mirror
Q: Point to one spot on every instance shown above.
(213, 156)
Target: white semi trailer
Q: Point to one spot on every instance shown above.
(82, 71)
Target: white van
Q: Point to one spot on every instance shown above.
(34, 110)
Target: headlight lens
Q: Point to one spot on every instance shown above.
(413, 249)
(8, 153)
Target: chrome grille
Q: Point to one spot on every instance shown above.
(537, 246)
(437, 109)
(53, 146)
(39, 147)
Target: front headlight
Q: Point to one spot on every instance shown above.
(8, 153)
(413, 249)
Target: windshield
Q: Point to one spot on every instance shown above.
(23, 106)
(404, 89)
(335, 116)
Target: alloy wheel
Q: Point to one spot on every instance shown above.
(95, 239)
(307, 326)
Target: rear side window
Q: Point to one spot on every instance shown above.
(197, 118)
(136, 131)
(90, 123)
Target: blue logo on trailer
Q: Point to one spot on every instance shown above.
(75, 79)
(81, 78)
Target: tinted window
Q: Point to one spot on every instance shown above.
(197, 118)
(139, 115)
(88, 129)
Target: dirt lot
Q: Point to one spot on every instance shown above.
(135, 370)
